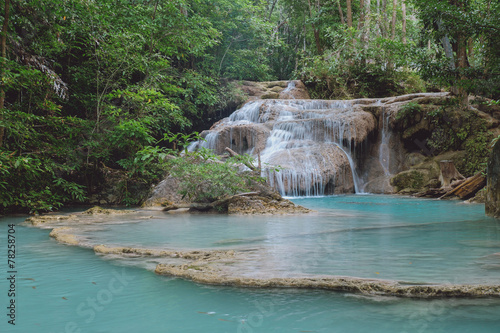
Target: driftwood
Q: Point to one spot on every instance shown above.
(431, 193)
(203, 207)
(468, 188)
(234, 154)
(448, 173)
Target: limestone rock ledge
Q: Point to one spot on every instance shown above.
(215, 276)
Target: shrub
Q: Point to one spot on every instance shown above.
(205, 178)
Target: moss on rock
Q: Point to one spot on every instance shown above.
(410, 181)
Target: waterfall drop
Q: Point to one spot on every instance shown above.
(306, 147)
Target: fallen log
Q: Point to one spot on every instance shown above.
(468, 188)
(203, 207)
(431, 193)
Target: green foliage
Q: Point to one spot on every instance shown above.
(31, 184)
(408, 113)
(412, 179)
(478, 151)
(461, 131)
(356, 68)
(474, 25)
(205, 178)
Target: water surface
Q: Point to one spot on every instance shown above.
(63, 287)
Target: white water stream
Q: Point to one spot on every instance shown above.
(310, 142)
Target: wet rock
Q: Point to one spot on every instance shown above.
(216, 275)
(63, 235)
(240, 138)
(195, 257)
(493, 183)
(47, 219)
(263, 205)
(274, 89)
(96, 210)
(424, 175)
(410, 181)
(165, 193)
(480, 197)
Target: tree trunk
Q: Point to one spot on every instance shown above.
(341, 13)
(403, 8)
(448, 173)
(383, 25)
(393, 24)
(349, 14)
(271, 11)
(361, 22)
(203, 207)
(3, 42)
(367, 20)
(461, 61)
(315, 31)
(366, 30)
(463, 96)
(151, 45)
(470, 51)
(378, 26)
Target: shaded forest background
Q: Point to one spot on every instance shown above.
(90, 88)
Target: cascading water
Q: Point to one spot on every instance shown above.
(310, 142)
(384, 151)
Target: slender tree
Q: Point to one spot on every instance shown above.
(315, 29)
(393, 24)
(349, 14)
(3, 42)
(403, 8)
(361, 21)
(341, 14)
(383, 25)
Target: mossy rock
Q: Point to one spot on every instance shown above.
(271, 84)
(277, 89)
(270, 95)
(433, 183)
(411, 180)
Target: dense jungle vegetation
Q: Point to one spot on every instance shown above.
(91, 87)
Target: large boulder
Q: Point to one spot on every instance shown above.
(275, 89)
(493, 183)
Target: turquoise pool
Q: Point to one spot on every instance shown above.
(64, 288)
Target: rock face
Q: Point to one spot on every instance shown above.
(275, 90)
(493, 183)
